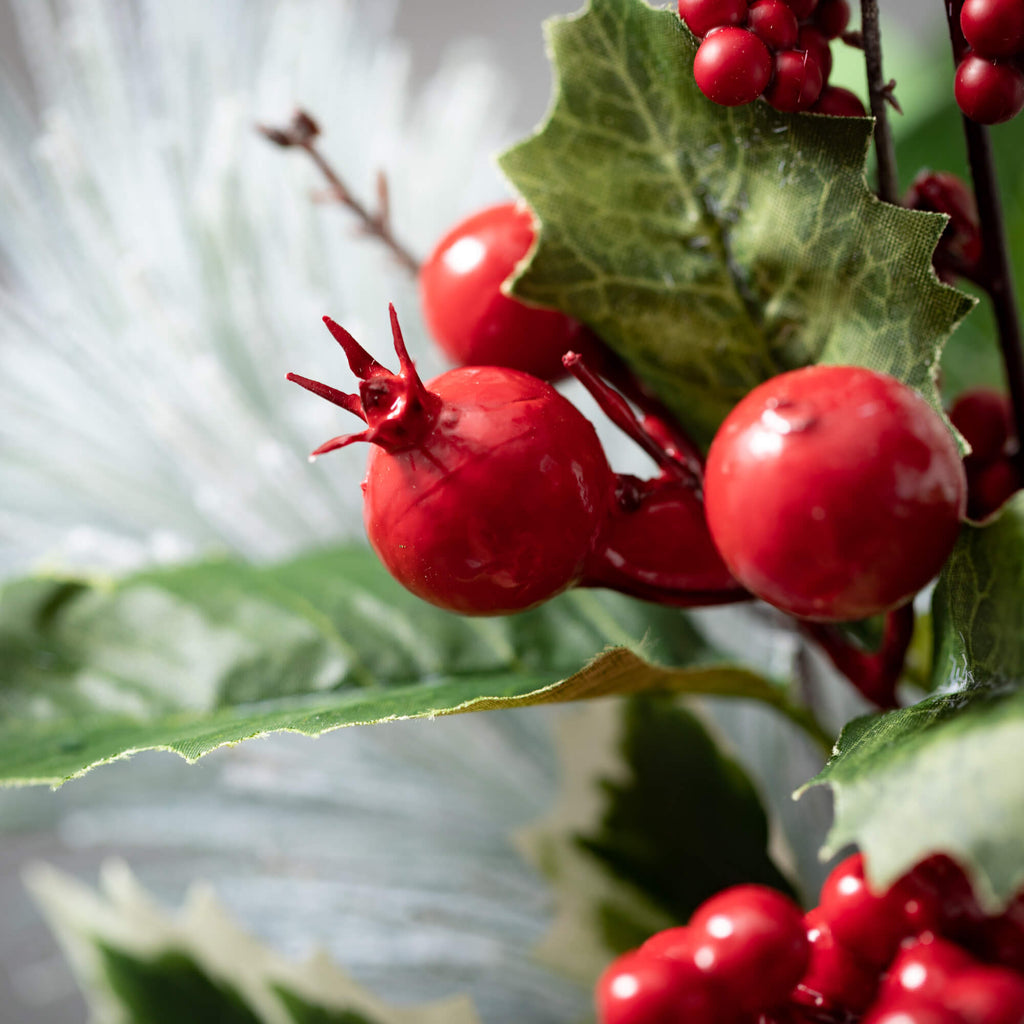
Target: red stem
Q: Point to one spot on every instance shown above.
(874, 673)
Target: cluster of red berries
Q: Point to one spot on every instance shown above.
(989, 85)
(488, 492)
(920, 953)
(985, 418)
(779, 49)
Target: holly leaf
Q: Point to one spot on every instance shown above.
(651, 820)
(190, 658)
(715, 247)
(947, 775)
(139, 964)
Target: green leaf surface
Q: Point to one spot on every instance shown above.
(190, 658)
(651, 820)
(715, 247)
(947, 775)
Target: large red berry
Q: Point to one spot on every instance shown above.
(774, 23)
(834, 492)
(701, 16)
(994, 28)
(839, 102)
(732, 67)
(796, 82)
(751, 940)
(484, 490)
(638, 988)
(470, 317)
(987, 91)
(869, 923)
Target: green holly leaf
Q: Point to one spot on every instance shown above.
(193, 657)
(715, 247)
(651, 820)
(947, 775)
(137, 963)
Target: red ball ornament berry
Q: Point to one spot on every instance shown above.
(774, 24)
(986, 995)
(989, 92)
(832, 17)
(638, 988)
(797, 81)
(468, 315)
(923, 969)
(993, 28)
(834, 492)
(835, 978)
(449, 467)
(701, 16)
(751, 941)
(732, 67)
(839, 102)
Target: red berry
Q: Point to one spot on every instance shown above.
(942, 898)
(641, 989)
(984, 417)
(986, 995)
(750, 939)
(1001, 939)
(870, 924)
(843, 462)
(924, 967)
(989, 92)
(797, 80)
(732, 67)
(816, 43)
(469, 316)
(803, 9)
(839, 102)
(994, 28)
(774, 23)
(959, 250)
(656, 541)
(449, 467)
(673, 942)
(990, 485)
(832, 17)
(701, 16)
(911, 1010)
(835, 977)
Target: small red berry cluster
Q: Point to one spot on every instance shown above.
(985, 418)
(960, 249)
(920, 953)
(989, 84)
(779, 49)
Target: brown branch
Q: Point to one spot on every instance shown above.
(302, 133)
(880, 93)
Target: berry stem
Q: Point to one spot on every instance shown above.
(880, 94)
(995, 273)
(874, 673)
(302, 132)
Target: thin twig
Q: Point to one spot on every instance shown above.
(302, 133)
(880, 93)
(995, 273)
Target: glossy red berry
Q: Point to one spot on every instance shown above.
(835, 979)
(839, 102)
(796, 81)
(924, 967)
(869, 923)
(774, 24)
(454, 468)
(985, 418)
(834, 492)
(751, 940)
(816, 43)
(989, 92)
(993, 28)
(673, 942)
(986, 995)
(641, 989)
(701, 16)
(469, 316)
(732, 67)
(832, 17)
